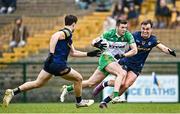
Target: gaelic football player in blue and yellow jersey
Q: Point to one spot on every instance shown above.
(56, 64)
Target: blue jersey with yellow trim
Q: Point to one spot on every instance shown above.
(63, 47)
(144, 47)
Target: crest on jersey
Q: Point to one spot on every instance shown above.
(122, 38)
(137, 41)
(143, 42)
(149, 43)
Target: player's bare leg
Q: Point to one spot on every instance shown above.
(130, 79)
(126, 83)
(42, 78)
(76, 78)
(115, 69)
(101, 86)
(95, 79)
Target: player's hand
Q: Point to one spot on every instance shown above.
(94, 53)
(119, 56)
(100, 45)
(172, 52)
(50, 58)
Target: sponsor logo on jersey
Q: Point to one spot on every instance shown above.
(113, 46)
(143, 49)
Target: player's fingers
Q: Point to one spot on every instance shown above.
(98, 55)
(104, 45)
(100, 41)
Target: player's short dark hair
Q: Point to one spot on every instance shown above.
(149, 21)
(70, 19)
(120, 21)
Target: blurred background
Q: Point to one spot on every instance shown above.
(27, 25)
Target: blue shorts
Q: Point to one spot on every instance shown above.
(56, 69)
(129, 68)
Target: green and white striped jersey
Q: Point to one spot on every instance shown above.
(117, 44)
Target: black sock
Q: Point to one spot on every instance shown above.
(16, 91)
(78, 99)
(107, 99)
(126, 95)
(105, 84)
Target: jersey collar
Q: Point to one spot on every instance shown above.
(117, 35)
(67, 28)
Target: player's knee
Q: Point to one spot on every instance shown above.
(91, 84)
(121, 74)
(114, 73)
(88, 83)
(79, 79)
(118, 73)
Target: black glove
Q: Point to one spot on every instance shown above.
(94, 53)
(100, 45)
(172, 52)
(119, 56)
(50, 58)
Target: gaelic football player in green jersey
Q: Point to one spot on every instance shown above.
(112, 42)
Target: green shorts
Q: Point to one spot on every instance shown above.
(104, 60)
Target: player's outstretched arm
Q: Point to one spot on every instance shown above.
(130, 53)
(77, 53)
(166, 49)
(94, 53)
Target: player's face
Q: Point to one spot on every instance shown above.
(18, 22)
(146, 31)
(73, 27)
(122, 29)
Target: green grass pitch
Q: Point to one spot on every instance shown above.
(112, 108)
